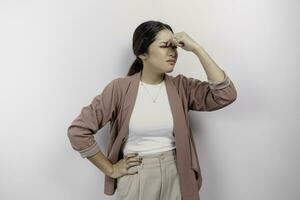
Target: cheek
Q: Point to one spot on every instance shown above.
(159, 56)
(163, 54)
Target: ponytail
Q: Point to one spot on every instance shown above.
(136, 66)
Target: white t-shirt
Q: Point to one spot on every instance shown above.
(151, 124)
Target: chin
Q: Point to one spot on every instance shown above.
(170, 70)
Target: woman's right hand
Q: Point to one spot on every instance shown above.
(121, 167)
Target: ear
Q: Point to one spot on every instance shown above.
(143, 56)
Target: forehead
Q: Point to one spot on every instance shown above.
(164, 36)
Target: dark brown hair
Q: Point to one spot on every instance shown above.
(143, 36)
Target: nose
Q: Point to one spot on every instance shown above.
(173, 54)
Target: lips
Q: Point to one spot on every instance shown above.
(171, 61)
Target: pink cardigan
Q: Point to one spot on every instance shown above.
(115, 105)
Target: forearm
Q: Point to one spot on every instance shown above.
(101, 162)
(213, 72)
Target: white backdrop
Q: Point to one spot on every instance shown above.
(55, 56)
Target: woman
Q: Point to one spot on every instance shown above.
(151, 152)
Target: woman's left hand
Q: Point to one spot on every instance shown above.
(184, 41)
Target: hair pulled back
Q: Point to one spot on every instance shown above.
(143, 36)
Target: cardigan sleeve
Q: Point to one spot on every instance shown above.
(209, 95)
(93, 117)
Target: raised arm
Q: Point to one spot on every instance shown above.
(209, 95)
(218, 92)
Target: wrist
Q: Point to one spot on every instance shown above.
(111, 171)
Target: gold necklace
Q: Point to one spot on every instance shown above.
(153, 100)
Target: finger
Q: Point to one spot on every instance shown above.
(173, 40)
(132, 169)
(169, 42)
(132, 173)
(131, 155)
(176, 41)
(134, 159)
(181, 44)
(132, 164)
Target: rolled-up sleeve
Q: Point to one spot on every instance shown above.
(93, 117)
(209, 95)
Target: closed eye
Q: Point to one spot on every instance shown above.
(175, 47)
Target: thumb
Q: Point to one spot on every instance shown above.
(132, 172)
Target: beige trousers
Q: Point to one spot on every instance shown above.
(157, 179)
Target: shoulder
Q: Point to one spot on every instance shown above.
(122, 82)
(119, 85)
(126, 81)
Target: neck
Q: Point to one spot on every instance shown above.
(151, 78)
